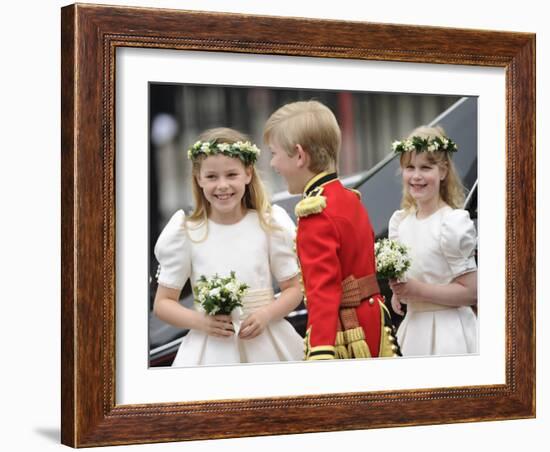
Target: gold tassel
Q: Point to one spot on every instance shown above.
(359, 349)
(340, 350)
(357, 345)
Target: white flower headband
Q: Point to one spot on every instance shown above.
(244, 150)
(420, 144)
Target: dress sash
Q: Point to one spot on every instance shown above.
(425, 306)
(256, 299)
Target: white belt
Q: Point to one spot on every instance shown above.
(256, 299)
(252, 301)
(424, 306)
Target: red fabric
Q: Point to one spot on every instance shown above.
(332, 245)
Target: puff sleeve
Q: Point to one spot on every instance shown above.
(393, 225)
(282, 258)
(173, 253)
(458, 241)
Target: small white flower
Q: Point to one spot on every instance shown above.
(391, 258)
(215, 292)
(223, 147)
(205, 147)
(232, 288)
(218, 294)
(425, 144)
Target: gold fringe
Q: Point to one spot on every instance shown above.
(310, 206)
(355, 334)
(359, 349)
(341, 351)
(357, 345)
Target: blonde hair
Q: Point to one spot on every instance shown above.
(451, 189)
(309, 124)
(254, 196)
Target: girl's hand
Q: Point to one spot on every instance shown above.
(217, 325)
(396, 305)
(254, 324)
(408, 290)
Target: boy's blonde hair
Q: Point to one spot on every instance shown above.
(254, 196)
(309, 124)
(451, 189)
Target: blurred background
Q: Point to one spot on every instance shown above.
(370, 122)
(179, 113)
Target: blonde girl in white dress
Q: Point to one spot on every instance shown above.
(233, 228)
(440, 288)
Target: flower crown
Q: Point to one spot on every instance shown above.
(244, 150)
(420, 144)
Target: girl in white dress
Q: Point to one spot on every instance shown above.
(233, 228)
(441, 285)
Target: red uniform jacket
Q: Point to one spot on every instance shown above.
(334, 242)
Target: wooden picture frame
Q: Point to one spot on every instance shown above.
(90, 36)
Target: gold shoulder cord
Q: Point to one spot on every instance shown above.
(312, 204)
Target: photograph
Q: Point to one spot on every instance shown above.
(178, 225)
(232, 195)
(369, 123)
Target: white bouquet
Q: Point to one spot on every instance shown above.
(219, 295)
(392, 260)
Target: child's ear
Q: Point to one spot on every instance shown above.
(248, 171)
(443, 172)
(198, 179)
(303, 157)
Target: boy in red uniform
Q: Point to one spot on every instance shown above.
(335, 240)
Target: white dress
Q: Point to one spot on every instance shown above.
(441, 248)
(254, 255)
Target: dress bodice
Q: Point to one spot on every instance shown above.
(187, 251)
(441, 246)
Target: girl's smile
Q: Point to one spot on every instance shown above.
(417, 186)
(423, 179)
(224, 196)
(223, 181)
